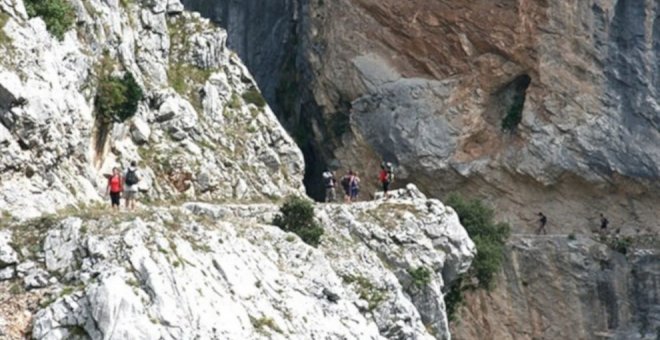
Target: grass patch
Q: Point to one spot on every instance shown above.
(4, 38)
(30, 234)
(16, 289)
(234, 102)
(367, 291)
(252, 96)
(260, 324)
(297, 216)
(58, 15)
(187, 80)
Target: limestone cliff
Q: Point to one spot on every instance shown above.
(211, 268)
(428, 84)
(569, 288)
(205, 271)
(202, 131)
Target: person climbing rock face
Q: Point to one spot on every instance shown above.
(131, 179)
(114, 188)
(329, 184)
(542, 222)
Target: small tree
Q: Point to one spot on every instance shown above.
(117, 98)
(297, 216)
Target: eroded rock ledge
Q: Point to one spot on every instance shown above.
(221, 271)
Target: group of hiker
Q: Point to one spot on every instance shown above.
(125, 185)
(543, 220)
(350, 183)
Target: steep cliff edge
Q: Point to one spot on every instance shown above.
(222, 272)
(429, 84)
(202, 130)
(554, 287)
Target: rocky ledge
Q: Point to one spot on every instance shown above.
(203, 271)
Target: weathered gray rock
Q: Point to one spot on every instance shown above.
(8, 255)
(36, 278)
(140, 131)
(553, 287)
(192, 273)
(61, 244)
(56, 155)
(427, 85)
(3, 324)
(7, 273)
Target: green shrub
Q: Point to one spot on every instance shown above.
(454, 298)
(490, 240)
(58, 15)
(421, 276)
(117, 98)
(514, 115)
(252, 96)
(621, 244)
(571, 237)
(297, 216)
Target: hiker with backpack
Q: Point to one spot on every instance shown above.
(131, 180)
(354, 187)
(329, 183)
(346, 185)
(114, 188)
(385, 177)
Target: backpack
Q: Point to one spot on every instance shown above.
(328, 180)
(346, 181)
(131, 177)
(390, 172)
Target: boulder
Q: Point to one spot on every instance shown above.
(8, 255)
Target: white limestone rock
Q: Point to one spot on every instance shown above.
(8, 255)
(226, 274)
(54, 152)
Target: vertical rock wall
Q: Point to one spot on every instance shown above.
(427, 84)
(558, 288)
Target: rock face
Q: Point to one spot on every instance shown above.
(428, 84)
(556, 288)
(201, 131)
(221, 272)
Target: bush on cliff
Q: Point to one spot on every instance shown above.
(514, 115)
(490, 240)
(297, 216)
(117, 98)
(58, 15)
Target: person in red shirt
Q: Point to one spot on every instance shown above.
(384, 178)
(115, 183)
